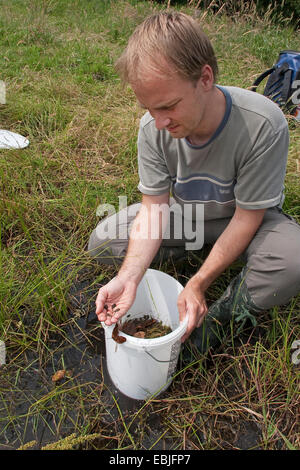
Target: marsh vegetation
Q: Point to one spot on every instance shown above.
(63, 94)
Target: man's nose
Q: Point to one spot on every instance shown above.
(161, 121)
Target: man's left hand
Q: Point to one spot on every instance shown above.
(191, 302)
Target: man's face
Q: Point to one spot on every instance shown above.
(176, 104)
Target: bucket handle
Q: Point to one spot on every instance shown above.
(157, 360)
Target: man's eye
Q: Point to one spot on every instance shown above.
(169, 108)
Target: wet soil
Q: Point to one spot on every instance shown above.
(33, 407)
(145, 327)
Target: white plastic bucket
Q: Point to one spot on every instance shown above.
(140, 367)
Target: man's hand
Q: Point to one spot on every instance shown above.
(191, 302)
(116, 297)
(114, 300)
(231, 244)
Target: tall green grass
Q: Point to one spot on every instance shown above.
(63, 94)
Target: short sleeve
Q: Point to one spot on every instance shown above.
(153, 172)
(260, 180)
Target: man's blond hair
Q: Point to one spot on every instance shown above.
(167, 37)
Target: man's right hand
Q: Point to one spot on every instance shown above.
(114, 300)
(116, 297)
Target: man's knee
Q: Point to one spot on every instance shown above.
(274, 280)
(273, 276)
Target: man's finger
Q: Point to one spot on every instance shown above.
(102, 316)
(200, 321)
(190, 325)
(202, 313)
(181, 309)
(100, 302)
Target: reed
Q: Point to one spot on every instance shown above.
(63, 94)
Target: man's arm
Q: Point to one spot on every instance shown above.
(146, 236)
(145, 239)
(229, 246)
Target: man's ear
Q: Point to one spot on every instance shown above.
(207, 77)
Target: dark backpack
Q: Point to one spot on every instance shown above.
(281, 86)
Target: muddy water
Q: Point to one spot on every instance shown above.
(33, 408)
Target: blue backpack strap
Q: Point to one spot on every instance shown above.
(279, 87)
(261, 77)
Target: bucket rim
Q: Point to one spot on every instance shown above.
(150, 343)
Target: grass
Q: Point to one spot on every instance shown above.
(63, 94)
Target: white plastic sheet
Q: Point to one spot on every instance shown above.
(11, 140)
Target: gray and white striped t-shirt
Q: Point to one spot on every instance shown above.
(243, 164)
